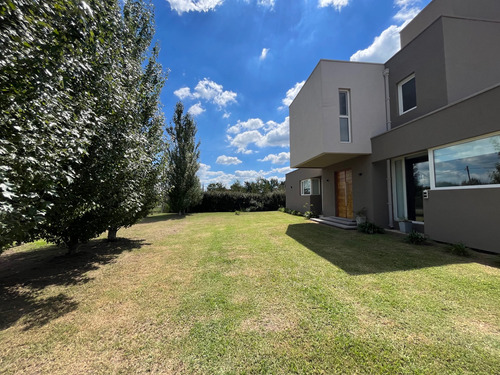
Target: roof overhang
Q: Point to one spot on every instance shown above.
(326, 159)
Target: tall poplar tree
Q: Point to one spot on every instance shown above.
(115, 181)
(50, 62)
(80, 125)
(184, 189)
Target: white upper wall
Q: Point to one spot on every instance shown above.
(314, 114)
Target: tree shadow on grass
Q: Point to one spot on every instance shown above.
(26, 275)
(162, 217)
(359, 254)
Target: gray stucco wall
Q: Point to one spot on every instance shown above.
(297, 202)
(471, 216)
(362, 186)
(478, 9)
(425, 58)
(380, 199)
(470, 118)
(472, 56)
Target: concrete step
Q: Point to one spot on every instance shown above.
(338, 222)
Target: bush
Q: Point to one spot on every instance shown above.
(309, 214)
(230, 201)
(416, 238)
(459, 249)
(370, 228)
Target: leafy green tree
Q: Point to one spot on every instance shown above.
(80, 145)
(137, 194)
(183, 154)
(49, 61)
(238, 187)
(79, 209)
(262, 186)
(216, 186)
(116, 180)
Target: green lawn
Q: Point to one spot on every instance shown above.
(255, 293)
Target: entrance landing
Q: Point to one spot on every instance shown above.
(338, 222)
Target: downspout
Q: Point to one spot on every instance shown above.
(388, 162)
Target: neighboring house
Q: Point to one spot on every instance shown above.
(417, 137)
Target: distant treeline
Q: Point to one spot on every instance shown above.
(259, 195)
(227, 201)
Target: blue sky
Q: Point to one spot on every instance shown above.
(237, 65)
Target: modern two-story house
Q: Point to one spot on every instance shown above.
(417, 137)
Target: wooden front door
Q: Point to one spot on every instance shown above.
(343, 189)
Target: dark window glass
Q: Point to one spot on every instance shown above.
(343, 103)
(409, 95)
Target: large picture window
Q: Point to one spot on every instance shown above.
(407, 94)
(344, 116)
(475, 162)
(311, 186)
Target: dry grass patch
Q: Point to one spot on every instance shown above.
(252, 293)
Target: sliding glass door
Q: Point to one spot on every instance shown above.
(410, 179)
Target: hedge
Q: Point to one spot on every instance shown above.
(229, 201)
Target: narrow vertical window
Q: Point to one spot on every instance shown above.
(407, 92)
(344, 116)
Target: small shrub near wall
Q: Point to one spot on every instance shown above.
(370, 228)
(229, 201)
(416, 238)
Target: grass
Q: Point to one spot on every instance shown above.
(255, 293)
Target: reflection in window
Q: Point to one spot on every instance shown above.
(417, 180)
(344, 116)
(310, 186)
(407, 92)
(470, 163)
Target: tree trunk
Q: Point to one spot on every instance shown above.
(73, 246)
(112, 234)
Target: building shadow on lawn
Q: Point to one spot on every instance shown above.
(358, 253)
(25, 275)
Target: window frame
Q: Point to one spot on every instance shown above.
(347, 116)
(400, 94)
(311, 186)
(432, 169)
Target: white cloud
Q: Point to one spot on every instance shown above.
(226, 115)
(196, 110)
(276, 134)
(243, 140)
(228, 160)
(406, 14)
(250, 124)
(337, 4)
(272, 134)
(266, 3)
(383, 47)
(213, 92)
(207, 175)
(283, 170)
(388, 43)
(209, 91)
(182, 6)
(263, 54)
(291, 94)
(281, 158)
(183, 93)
